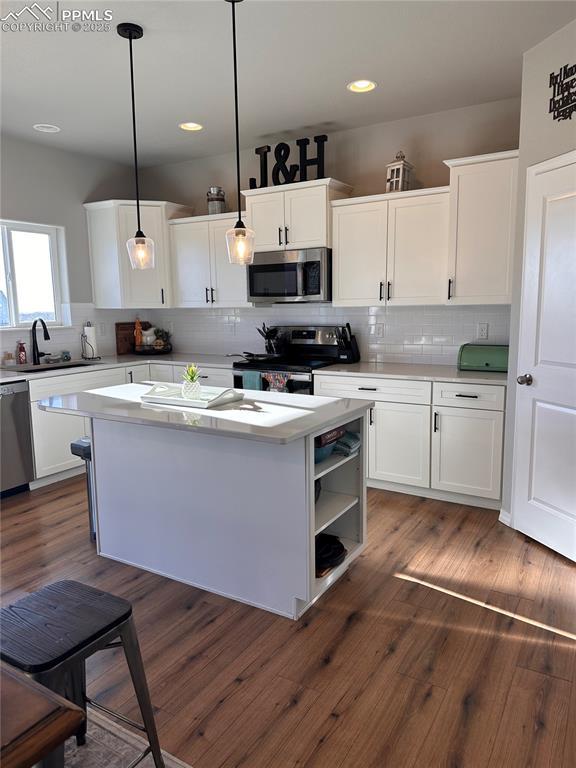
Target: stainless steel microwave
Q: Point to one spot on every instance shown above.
(291, 276)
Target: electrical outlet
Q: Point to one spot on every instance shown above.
(102, 329)
(169, 327)
(482, 331)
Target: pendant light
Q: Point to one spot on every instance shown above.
(140, 248)
(240, 239)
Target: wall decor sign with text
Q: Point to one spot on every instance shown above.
(284, 173)
(562, 104)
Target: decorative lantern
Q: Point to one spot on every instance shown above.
(399, 174)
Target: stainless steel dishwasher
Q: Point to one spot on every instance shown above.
(16, 461)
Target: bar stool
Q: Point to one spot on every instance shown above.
(50, 633)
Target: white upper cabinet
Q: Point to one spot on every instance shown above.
(229, 282)
(390, 248)
(359, 254)
(190, 241)
(482, 222)
(306, 215)
(265, 215)
(417, 250)
(294, 216)
(114, 283)
(201, 272)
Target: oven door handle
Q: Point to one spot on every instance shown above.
(299, 377)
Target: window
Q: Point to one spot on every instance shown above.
(29, 274)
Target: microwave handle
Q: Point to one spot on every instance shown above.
(300, 287)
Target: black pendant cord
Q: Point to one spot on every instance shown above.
(139, 232)
(239, 223)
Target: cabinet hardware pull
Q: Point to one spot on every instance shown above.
(368, 389)
(207, 297)
(203, 377)
(371, 416)
(212, 295)
(388, 291)
(285, 235)
(162, 294)
(131, 377)
(435, 421)
(449, 289)
(381, 294)
(473, 397)
(279, 235)
(526, 378)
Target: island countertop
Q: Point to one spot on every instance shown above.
(264, 416)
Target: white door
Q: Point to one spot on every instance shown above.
(191, 264)
(544, 485)
(359, 254)
(53, 433)
(229, 281)
(417, 250)
(144, 288)
(482, 228)
(467, 451)
(265, 215)
(399, 449)
(306, 215)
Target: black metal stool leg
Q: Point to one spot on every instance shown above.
(78, 696)
(55, 681)
(136, 667)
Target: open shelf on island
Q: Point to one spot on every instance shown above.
(353, 549)
(332, 462)
(330, 506)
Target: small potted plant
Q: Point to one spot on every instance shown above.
(191, 382)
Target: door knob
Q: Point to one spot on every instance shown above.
(526, 378)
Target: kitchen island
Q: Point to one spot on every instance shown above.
(225, 499)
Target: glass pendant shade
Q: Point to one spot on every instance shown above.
(141, 251)
(240, 243)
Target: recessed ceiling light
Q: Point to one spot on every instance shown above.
(46, 128)
(191, 126)
(361, 86)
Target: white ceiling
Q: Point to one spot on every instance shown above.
(295, 58)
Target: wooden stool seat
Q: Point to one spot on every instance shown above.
(43, 629)
(50, 634)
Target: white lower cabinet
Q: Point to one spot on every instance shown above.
(467, 451)
(399, 448)
(427, 435)
(161, 372)
(212, 377)
(136, 373)
(52, 433)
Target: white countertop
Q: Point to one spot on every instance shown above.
(45, 370)
(414, 371)
(266, 416)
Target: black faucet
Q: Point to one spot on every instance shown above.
(36, 355)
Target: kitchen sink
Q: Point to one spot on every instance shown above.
(43, 367)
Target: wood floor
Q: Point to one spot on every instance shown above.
(381, 672)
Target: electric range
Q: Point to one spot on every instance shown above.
(300, 351)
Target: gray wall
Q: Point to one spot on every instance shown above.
(358, 156)
(541, 138)
(45, 185)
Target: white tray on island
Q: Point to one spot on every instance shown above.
(210, 397)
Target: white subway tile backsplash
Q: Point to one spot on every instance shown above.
(68, 337)
(385, 334)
